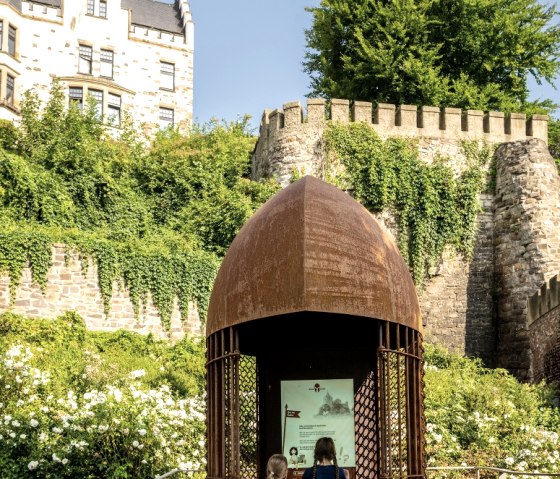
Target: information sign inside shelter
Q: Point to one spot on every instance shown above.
(317, 408)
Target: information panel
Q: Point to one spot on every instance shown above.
(317, 408)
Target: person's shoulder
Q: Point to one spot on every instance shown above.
(308, 473)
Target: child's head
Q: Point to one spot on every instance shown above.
(277, 467)
(324, 449)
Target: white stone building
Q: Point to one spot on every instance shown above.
(129, 55)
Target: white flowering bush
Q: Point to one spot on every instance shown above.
(485, 417)
(124, 429)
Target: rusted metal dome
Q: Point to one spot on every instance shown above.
(314, 248)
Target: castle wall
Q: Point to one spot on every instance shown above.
(70, 286)
(543, 319)
(291, 142)
(477, 308)
(457, 303)
(526, 242)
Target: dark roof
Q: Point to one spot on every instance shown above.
(313, 248)
(50, 3)
(153, 14)
(15, 3)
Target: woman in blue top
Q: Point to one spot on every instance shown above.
(324, 462)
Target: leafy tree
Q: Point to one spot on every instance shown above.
(462, 53)
(198, 184)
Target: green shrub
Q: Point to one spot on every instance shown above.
(74, 403)
(485, 417)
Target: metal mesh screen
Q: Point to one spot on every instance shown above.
(367, 434)
(248, 414)
(401, 416)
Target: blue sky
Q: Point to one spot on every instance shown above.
(248, 57)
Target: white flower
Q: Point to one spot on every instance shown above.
(55, 458)
(32, 465)
(64, 461)
(34, 423)
(137, 374)
(135, 444)
(142, 432)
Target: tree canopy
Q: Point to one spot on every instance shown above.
(474, 54)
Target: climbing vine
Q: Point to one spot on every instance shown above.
(432, 205)
(166, 271)
(154, 216)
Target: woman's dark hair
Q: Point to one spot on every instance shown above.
(293, 448)
(324, 449)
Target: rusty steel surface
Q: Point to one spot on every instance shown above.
(312, 247)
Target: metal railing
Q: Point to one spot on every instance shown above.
(177, 471)
(475, 469)
(478, 469)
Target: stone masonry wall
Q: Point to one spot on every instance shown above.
(69, 287)
(477, 308)
(457, 301)
(543, 319)
(526, 242)
(290, 142)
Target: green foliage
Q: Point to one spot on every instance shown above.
(485, 417)
(199, 183)
(433, 208)
(80, 404)
(153, 218)
(554, 139)
(457, 53)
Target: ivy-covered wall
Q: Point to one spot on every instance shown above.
(72, 283)
(475, 252)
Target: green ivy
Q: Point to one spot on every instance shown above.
(153, 216)
(434, 208)
(166, 271)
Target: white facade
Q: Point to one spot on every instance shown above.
(130, 55)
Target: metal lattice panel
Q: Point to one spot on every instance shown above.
(401, 403)
(248, 413)
(367, 433)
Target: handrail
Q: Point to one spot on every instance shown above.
(175, 471)
(477, 469)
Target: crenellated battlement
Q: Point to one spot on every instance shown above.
(156, 36)
(290, 138)
(37, 10)
(408, 120)
(544, 300)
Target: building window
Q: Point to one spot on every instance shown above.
(91, 7)
(86, 55)
(77, 96)
(166, 117)
(106, 63)
(97, 95)
(114, 109)
(167, 75)
(10, 89)
(103, 9)
(12, 40)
